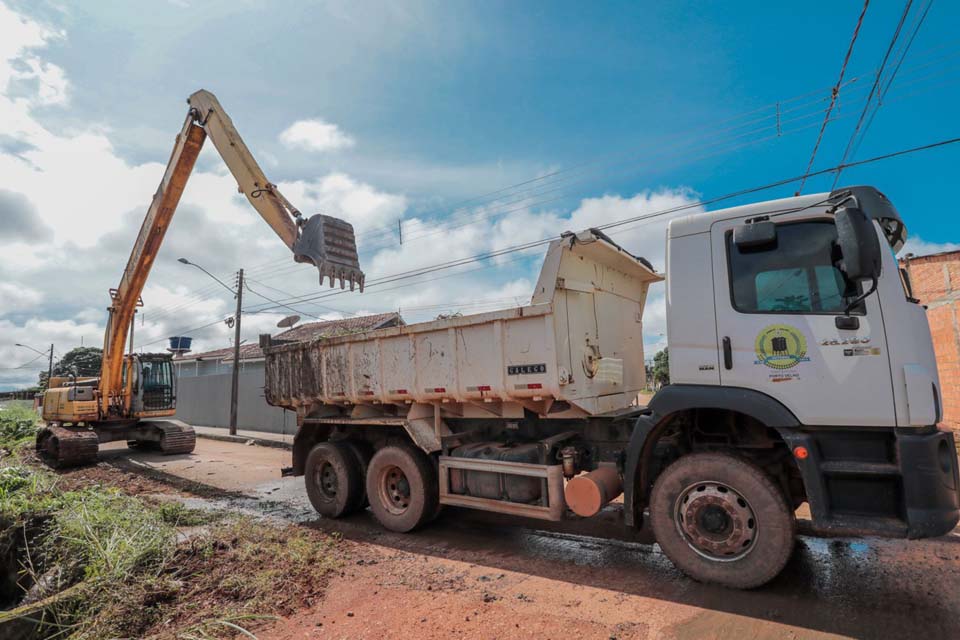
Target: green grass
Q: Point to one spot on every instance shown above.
(95, 541)
(118, 566)
(18, 425)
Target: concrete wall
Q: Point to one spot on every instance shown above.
(205, 401)
(936, 283)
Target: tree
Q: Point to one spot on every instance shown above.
(83, 362)
(661, 368)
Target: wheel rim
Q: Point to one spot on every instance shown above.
(325, 479)
(716, 521)
(394, 489)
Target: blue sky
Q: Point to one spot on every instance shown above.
(638, 105)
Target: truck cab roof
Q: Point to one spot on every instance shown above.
(874, 204)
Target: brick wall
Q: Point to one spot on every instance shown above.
(936, 283)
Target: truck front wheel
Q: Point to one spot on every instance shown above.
(332, 476)
(720, 519)
(402, 488)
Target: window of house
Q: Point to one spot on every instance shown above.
(797, 275)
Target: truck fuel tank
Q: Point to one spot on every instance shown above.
(497, 486)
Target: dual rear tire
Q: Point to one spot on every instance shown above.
(718, 517)
(398, 482)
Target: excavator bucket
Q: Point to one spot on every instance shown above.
(329, 244)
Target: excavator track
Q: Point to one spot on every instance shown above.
(175, 437)
(61, 448)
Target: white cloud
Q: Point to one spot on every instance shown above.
(84, 201)
(920, 247)
(315, 135)
(91, 203)
(39, 334)
(18, 63)
(15, 297)
(339, 195)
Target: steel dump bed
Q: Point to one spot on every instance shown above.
(576, 350)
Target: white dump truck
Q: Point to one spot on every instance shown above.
(801, 368)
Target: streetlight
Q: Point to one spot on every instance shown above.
(43, 353)
(194, 264)
(235, 381)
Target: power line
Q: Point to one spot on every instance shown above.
(529, 245)
(906, 50)
(435, 278)
(286, 306)
(620, 223)
(834, 94)
(168, 312)
(480, 216)
(415, 237)
(270, 267)
(198, 296)
(873, 89)
(25, 364)
(180, 332)
(285, 269)
(883, 92)
(687, 138)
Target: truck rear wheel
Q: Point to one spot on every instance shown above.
(721, 519)
(402, 488)
(333, 480)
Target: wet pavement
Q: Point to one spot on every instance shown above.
(853, 587)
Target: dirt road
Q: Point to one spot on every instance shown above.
(471, 575)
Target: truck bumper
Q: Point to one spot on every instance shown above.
(891, 482)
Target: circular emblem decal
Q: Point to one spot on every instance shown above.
(781, 346)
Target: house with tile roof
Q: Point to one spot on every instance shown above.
(221, 360)
(204, 379)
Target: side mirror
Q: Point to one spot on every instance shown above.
(859, 244)
(755, 235)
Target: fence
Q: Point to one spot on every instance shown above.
(205, 401)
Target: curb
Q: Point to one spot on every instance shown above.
(260, 442)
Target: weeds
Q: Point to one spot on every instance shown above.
(18, 426)
(203, 630)
(111, 535)
(96, 563)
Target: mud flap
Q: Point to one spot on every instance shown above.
(329, 244)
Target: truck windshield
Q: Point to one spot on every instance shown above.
(798, 275)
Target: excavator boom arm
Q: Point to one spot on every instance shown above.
(251, 180)
(324, 241)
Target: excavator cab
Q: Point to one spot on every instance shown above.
(154, 385)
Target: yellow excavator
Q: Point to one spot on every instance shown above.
(135, 395)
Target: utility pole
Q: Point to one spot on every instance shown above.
(235, 383)
(50, 366)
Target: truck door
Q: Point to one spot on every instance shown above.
(777, 308)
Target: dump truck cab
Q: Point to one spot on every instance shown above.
(773, 321)
(789, 322)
